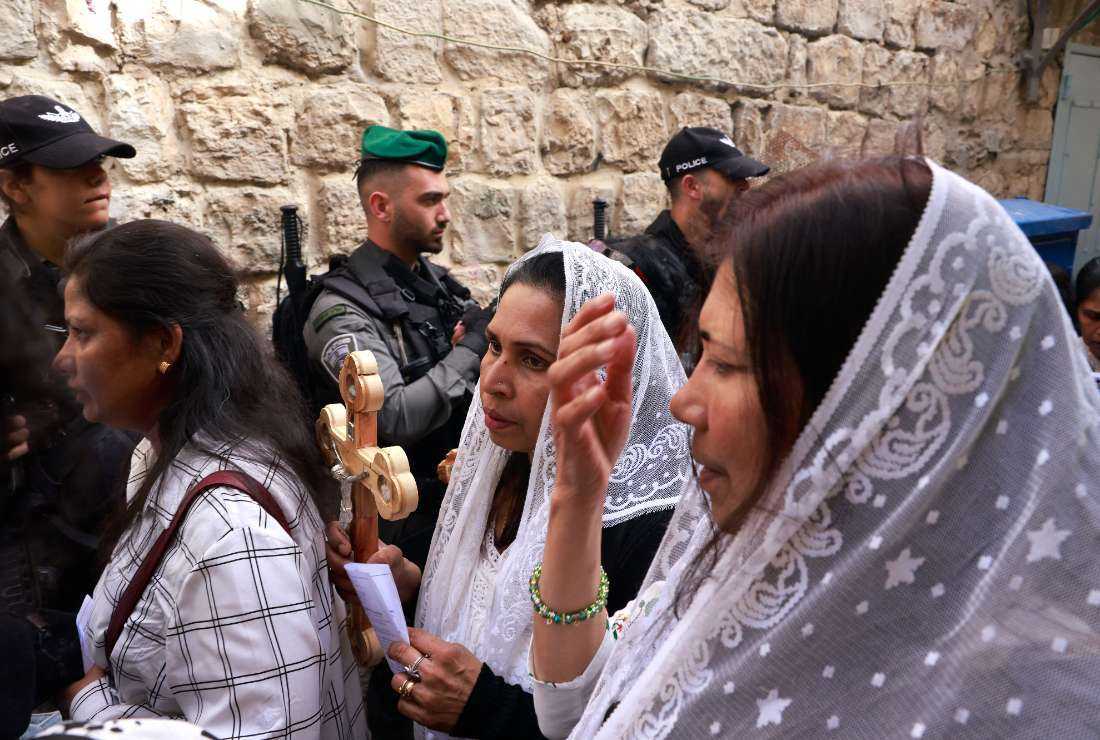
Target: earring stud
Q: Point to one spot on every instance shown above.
(163, 367)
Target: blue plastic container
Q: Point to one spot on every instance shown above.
(1052, 229)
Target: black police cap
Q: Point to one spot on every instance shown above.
(40, 130)
(699, 147)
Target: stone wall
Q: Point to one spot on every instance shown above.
(239, 106)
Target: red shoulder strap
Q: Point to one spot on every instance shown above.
(138, 584)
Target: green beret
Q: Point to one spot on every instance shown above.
(425, 148)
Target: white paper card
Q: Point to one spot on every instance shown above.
(377, 592)
(82, 618)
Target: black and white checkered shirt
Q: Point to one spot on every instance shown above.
(239, 631)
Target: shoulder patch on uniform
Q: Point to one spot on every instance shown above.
(334, 352)
(329, 313)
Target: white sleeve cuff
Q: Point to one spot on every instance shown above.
(559, 705)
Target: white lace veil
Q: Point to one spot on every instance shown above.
(653, 469)
(935, 570)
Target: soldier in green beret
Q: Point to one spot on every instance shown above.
(425, 331)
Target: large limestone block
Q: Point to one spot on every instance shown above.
(188, 34)
(1034, 128)
(18, 42)
(805, 125)
(994, 33)
(499, 22)
(582, 212)
(178, 200)
(644, 196)
(761, 11)
(483, 226)
(699, 44)
(542, 211)
(509, 131)
(1000, 97)
(339, 224)
(140, 112)
(330, 122)
(748, 127)
(482, 280)
(797, 61)
(569, 133)
(244, 223)
(258, 296)
(693, 109)
(452, 115)
(598, 33)
(903, 77)
(633, 130)
(88, 21)
(967, 71)
(944, 25)
(845, 133)
(68, 93)
(839, 60)
(935, 136)
(901, 17)
(881, 138)
(89, 61)
(408, 59)
(862, 19)
(236, 137)
(301, 36)
(811, 17)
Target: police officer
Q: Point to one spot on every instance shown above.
(62, 475)
(426, 333)
(704, 171)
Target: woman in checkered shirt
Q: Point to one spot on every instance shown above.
(238, 630)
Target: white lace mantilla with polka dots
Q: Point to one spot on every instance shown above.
(934, 571)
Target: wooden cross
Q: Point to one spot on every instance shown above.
(381, 481)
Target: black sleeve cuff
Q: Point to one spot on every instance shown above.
(497, 709)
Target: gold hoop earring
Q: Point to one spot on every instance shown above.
(163, 367)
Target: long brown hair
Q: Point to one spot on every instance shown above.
(152, 274)
(811, 252)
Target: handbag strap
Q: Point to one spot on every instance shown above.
(223, 478)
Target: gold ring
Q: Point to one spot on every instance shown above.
(406, 688)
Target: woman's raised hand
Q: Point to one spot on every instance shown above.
(591, 417)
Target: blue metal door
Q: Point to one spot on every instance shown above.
(1074, 176)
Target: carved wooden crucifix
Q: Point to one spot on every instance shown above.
(380, 479)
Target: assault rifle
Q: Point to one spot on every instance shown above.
(290, 257)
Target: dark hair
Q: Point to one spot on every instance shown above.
(1064, 283)
(152, 274)
(811, 253)
(17, 171)
(1088, 280)
(369, 168)
(544, 271)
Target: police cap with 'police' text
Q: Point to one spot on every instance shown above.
(40, 130)
(699, 147)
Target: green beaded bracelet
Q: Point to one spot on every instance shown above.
(553, 617)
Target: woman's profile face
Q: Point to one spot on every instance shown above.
(721, 403)
(77, 199)
(523, 342)
(113, 375)
(1088, 316)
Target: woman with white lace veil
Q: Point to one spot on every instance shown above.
(474, 613)
(916, 552)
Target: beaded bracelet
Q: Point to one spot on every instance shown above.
(553, 617)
